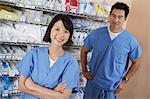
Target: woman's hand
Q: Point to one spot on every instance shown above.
(60, 87)
(29, 83)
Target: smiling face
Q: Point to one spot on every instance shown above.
(117, 18)
(59, 34)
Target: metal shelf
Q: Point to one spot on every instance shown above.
(17, 5)
(72, 47)
(11, 77)
(36, 44)
(14, 21)
(24, 43)
(95, 18)
(10, 57)
(18, 21)
(15, 94)
(11, 94)
(85, 30)
(10, 60)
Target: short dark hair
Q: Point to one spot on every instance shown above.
(121, 6)
(67, 24)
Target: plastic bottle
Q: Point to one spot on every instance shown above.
(68, 3)
(5, 81)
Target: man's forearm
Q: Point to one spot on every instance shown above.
(83, 60)
(84, 64)
(133, 68)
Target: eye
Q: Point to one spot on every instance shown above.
(120, 17)
(57, 29)
(114, 16)
(66, 32)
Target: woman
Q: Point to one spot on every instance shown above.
(50, 72)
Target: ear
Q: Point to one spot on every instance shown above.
(124, 23)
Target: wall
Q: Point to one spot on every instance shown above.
(129, 2)
(139, 24)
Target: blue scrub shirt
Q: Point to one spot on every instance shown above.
(36, 65)
(110, 58)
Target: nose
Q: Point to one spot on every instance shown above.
(116, 19)
(61, 33)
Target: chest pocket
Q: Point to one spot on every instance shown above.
(121, 52)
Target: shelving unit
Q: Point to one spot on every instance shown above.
(94, 18)
(12, 58)
(14, 21)
(14, 92)
(24, 43)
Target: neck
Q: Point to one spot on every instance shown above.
(55, 48)
(115, 31)
(55, 51)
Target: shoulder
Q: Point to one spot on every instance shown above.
(72, 62)
(98, 31)
(102, 29)
(39, 49)
(132, 39)
(70, 58)
(130, 36)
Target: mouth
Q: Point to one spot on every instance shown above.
(115, 24)
(59, 39)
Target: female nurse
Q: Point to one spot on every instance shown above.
(50, 72)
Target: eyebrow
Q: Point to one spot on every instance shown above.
(117, 15)
(59, 27)
(56, 26)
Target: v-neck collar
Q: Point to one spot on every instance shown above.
(121, 34)
(56, 60)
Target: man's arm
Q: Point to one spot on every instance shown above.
(36, 90)
(86, 73)
(132, 70)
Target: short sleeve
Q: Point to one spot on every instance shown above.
(71, 76)
(135, 50)
(25, 65)
(88, 43)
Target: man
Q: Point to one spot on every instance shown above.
(112, 47)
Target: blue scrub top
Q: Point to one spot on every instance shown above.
(110, 58)
(36, 65)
